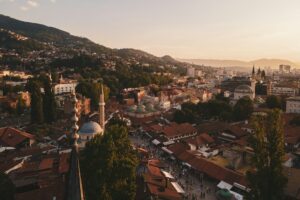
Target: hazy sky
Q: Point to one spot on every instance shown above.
(222, 29)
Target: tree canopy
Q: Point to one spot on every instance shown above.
(92, 90)
(267, 181)
(243, 109)
(109, 166)
(274, 101)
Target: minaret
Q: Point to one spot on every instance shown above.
(102, 109)
(74, 119)
(75, 188)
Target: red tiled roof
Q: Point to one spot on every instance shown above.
(46, 164)
(204, 165)
(64, 163)
(48, 193)
(12, 137)
(166, 193)
(201, 139)
(175, 129)
(154, 171)
(178, 148)
(217, 172)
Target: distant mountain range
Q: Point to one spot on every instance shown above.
(39, 37)
(273, 63)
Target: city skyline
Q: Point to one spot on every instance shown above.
(189, 29)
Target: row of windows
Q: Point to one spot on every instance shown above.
(294, 105)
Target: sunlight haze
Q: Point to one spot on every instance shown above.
(231, 29)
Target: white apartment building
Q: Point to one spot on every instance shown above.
(284, 90)
(293, 105)
(62, 88)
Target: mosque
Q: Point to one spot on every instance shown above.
(90, 129)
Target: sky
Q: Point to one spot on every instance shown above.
(207, 29)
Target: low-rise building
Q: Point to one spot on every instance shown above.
(65, 86)
(175, 131)
(284, 90)
(243, 91)
(293, 105)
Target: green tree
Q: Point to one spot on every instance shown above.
(267, 182)
(273, 101)
(49, 103)
(243, 109)
(109, 165)
(36, 103)
(260, 89)
(92, 91)
(20, 106)
(7, 188)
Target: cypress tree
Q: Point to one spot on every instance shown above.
(268, 181)
(49, 103)
(36, 103)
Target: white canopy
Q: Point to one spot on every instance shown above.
(168, 142)
(155, 142)
(224, 185)
(167, 174)
(166, 150)
(187, 164)
(177, 187)
(2, 149)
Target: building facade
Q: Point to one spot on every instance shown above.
(293, 105)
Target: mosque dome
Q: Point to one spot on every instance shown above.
(90, 128)
(243, 89)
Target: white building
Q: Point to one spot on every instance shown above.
(65, 86)
(243, 91)
(293, 105)
(284, 90)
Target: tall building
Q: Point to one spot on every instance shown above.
(102, 109)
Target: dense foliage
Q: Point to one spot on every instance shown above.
(267, 181)
(109, 165)
(274, 101)
(20, 46)
(49, 103)
(36, 103)
(92, 90)
(217, 109)
(243, 109)
(260, 89)
(43, 106)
